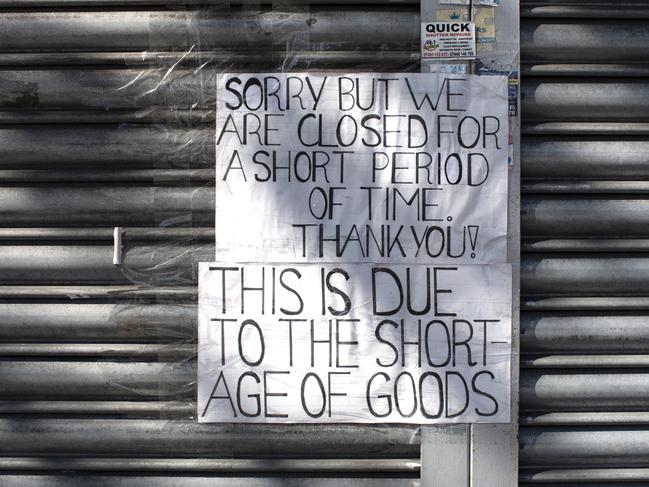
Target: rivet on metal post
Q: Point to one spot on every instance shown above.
(117, 246)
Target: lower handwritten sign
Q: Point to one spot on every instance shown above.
(354, 343)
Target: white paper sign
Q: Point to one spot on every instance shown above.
(355, 343)
(382, 168)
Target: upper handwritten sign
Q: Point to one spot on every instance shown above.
(381, 168)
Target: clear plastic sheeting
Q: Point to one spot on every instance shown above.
(107, 113)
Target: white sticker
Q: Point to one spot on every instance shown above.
(445, 68)
(448, 40)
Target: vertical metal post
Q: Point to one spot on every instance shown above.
(445, 456)
(485, 455)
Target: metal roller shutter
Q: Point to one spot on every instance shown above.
(85, 345)
(97, 378)
(584, 382)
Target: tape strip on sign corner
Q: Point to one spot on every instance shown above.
(360, 343)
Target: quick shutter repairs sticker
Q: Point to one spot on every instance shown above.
(448, 40)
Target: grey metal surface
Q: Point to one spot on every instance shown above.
(585, 99)
(222, 28)
(114, 293)
(105, 146)
(98, 358)
(140, 408)
(587, 446)
(145, 481)
(63, 264)
(107, 322)
(585, 390)
(584, 11)
(584, 40)
(585, 280)
(138, 437)
(39, 380)
(201, 3)
(586, 303)
(585, 157)
(27, 206)
(584, 275)
(584, 418)
(404, 59)
(582, 331)
(594, 474)
(579, 215)
(238, 466)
